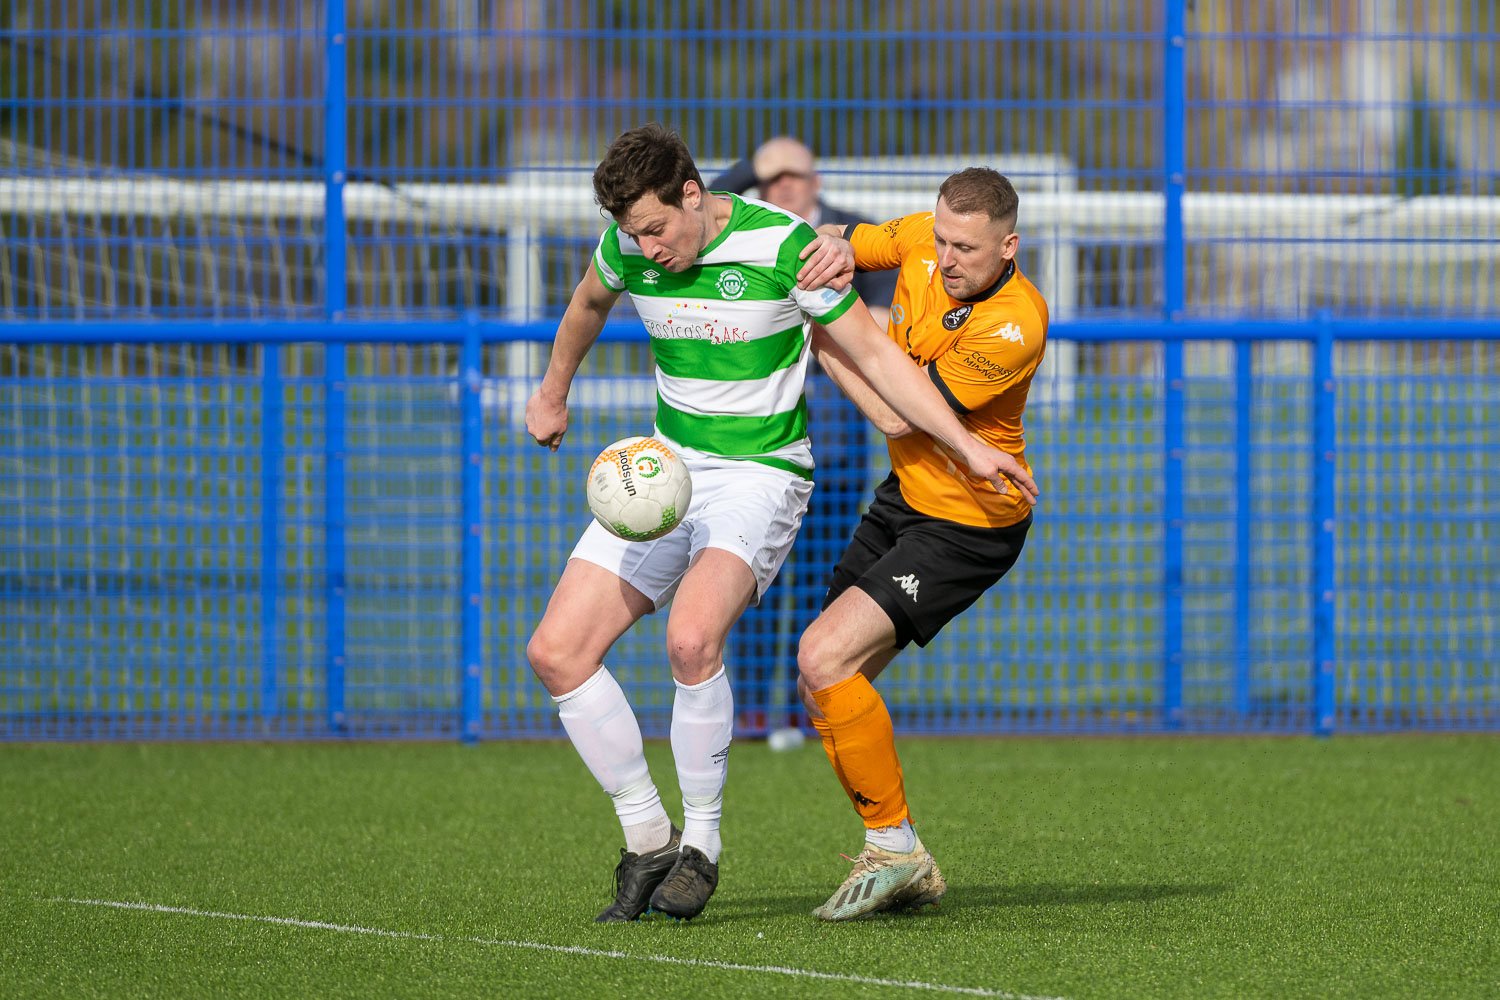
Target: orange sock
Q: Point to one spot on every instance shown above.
(826, 735)
(864, 746)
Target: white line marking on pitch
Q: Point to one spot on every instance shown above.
(779, 970)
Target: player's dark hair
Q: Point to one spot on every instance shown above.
(980, 189)
(649, 157)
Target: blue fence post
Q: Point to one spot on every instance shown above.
(271, 429)
(471, 367)
(335, 152)
(1324, 523)
(1244, 518)
(1173, 298)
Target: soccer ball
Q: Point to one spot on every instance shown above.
(639, 489)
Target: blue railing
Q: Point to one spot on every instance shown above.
(1290, 619)
(261, 461)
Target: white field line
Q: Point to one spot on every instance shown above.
(777, 970)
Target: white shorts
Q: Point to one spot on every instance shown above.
(742, 507)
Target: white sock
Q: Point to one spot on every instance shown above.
(900, 839)
(702, 726)
(606, 735)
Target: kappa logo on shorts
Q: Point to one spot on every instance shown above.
(954, 318)
(908, 583)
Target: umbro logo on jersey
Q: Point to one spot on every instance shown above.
(954, 318)
(1010, 332)
(649, 276)
(909, 583)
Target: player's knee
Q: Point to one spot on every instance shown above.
(694, 652)
(804, 694)
(821, 659)
(547, 652)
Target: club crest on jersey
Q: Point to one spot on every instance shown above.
(731, 283)
(954, 318)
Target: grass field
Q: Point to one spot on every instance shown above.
(1356, 867)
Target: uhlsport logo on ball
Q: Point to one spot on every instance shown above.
(639, 489)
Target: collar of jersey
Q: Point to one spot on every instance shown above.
(990, 292)
(734, 213)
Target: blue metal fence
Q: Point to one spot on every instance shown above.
(276, 281)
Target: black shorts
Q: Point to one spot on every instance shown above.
(923, 571)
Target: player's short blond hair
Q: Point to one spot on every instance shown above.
(980, 189)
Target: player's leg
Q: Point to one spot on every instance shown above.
(858, 634)
(934, 571)
(926, 891)
(852, 632)
(874, 535)
(740, 538)
(872, 669)
(713, 594)
(852, 635)
(604, 589)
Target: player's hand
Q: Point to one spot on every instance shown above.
(547, 418)
(828, 263)
(1001, 470)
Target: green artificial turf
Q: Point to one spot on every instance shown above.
(1354, 867)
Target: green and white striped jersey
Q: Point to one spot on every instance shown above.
(730, 336)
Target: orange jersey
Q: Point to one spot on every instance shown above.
(980, 354)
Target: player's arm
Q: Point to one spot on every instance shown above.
(916, 399)
(547, 410)
(837, 366)
(832, 258)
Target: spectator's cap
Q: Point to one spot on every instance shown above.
(782, 155)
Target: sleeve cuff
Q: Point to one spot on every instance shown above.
(838, 310)
(609, 280)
